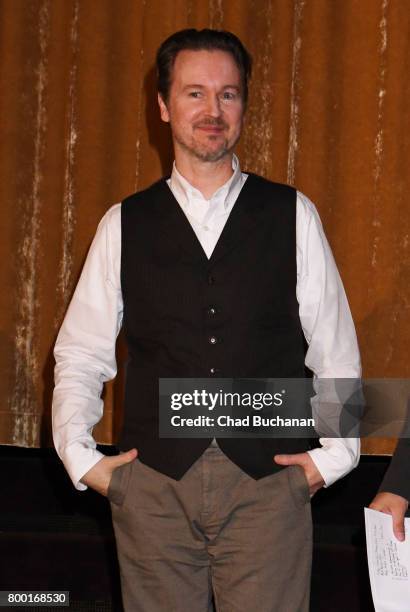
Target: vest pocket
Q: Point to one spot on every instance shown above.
(117, 489)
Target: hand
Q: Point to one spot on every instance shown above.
(98, 478)
(313, 476)
(393, 504)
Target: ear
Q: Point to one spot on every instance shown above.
(163, 109)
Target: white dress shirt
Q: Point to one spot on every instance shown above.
(85, 347)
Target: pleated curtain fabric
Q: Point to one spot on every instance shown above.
(328, 112)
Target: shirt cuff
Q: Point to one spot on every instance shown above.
(336, 458)
(77, 460)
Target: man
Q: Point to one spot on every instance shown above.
(212, 272)
(394, 492)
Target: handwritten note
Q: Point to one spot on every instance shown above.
(389, 563)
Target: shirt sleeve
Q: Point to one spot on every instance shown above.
(85, 350)
(329, 331)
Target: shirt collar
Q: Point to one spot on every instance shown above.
(187, 192)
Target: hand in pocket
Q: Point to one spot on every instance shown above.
(99, 477)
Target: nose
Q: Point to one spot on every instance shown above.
(213, 105)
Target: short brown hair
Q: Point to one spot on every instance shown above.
(198, 40)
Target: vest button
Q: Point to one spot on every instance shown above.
(211, 311)
(213, 339)
(214, 371)
(211, 279)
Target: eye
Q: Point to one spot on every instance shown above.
(228, 95)
(195, 94)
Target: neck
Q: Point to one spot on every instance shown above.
(207, 177)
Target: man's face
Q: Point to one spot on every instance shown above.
(205, 106)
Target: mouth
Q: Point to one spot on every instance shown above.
(212, 129)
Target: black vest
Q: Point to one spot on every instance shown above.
(176, 300)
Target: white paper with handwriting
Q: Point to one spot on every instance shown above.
(389, 563)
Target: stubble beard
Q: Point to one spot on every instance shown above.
(200, 151)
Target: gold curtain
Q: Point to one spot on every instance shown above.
(328, 112)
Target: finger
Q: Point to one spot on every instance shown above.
(380, 508)
(376, 506)
(378, 503)
(398, 526)
(296, 459)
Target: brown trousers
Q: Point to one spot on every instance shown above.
(216, 531)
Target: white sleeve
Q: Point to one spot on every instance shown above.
(85, 350)
(328, 328)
